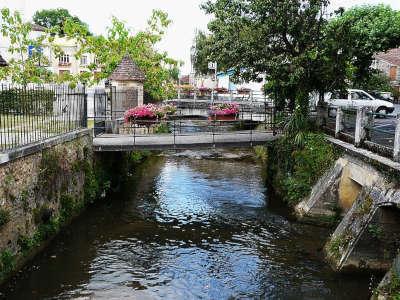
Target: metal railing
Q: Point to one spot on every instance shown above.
(365, 128)
(33, 113)
(226, 95)
(183, 123)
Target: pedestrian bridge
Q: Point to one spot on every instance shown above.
(119, 142)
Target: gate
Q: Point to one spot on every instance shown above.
(111, 104)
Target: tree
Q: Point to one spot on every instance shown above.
(24, 67)
(274, 37)
(297, 45)
(361, 32)
(119, 40)
(56, 18)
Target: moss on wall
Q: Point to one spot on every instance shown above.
(43, 192)
(293, 169)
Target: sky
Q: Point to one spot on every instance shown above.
(185, 14)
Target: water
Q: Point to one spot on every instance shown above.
(187, 228)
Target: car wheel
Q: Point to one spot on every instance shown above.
(382, 111)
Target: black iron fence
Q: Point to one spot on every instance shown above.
(33, 113)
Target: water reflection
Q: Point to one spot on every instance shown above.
(186, 229)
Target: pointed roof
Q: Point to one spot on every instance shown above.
(391, 56)
(3, 62)
(127, 70)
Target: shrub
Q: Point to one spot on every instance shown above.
(4, 216)
(22, 101)
(294, 169)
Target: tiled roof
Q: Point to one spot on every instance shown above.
(127, 70)
(3, 62)
(36, 27)
(391, 56)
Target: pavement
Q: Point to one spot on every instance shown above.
(118, 142)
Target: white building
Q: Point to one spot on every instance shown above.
(66, 63)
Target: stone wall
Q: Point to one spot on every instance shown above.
(41, 192)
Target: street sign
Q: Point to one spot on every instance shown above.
(212, 65)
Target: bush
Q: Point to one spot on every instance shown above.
(31, 102)
(293, 170)
(4, 216)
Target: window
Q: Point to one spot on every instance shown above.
(359, 96)
(63, 59)
(339, 95)
(84, 60)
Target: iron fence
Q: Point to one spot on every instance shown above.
(33, 113)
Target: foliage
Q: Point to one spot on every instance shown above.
(377, 81)
(27, 101)
(7, 263)
(295, 168)
(203, 53)
(136, 157)
(160, 70)
(56, 18)
(261, 153)
(162, 128)
(360, 32)
(23, 68)
(336, 245)
(4, 216)
(297, 48)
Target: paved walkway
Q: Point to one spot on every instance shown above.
(118, 142)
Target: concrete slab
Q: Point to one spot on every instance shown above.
(116, 142)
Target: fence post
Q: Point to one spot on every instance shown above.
(396, 146)
(322, 115)
(339, 122)
(85, 108)
(360, 132)
(179, 93)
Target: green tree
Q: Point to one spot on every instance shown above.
(56, 18)
(298, 48)
(119, 40)
(278, 38)
(24, 67)
(361, 32)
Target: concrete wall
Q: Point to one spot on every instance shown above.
(361, 191)
(40, 192)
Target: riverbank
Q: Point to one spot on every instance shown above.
(187, 225)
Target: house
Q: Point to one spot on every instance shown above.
(66, 63)
(389, 63)
(129, 77)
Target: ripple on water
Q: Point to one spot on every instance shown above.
(187, 228)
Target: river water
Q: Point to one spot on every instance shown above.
(187, 228)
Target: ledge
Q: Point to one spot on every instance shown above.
(366, 155)
(39, 146)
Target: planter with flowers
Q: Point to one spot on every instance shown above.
(224, 112)
(149, 114)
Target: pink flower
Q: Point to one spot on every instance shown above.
(225, 109)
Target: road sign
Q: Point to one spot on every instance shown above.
(212, 65)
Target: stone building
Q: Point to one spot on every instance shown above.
(128, 79)
(389, 63)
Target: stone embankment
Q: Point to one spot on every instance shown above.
(363, 189)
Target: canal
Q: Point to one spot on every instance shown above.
(187, 227)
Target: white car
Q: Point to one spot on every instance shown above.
(358, 98)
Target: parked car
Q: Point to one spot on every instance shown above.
(382, 95)
(358, 98)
